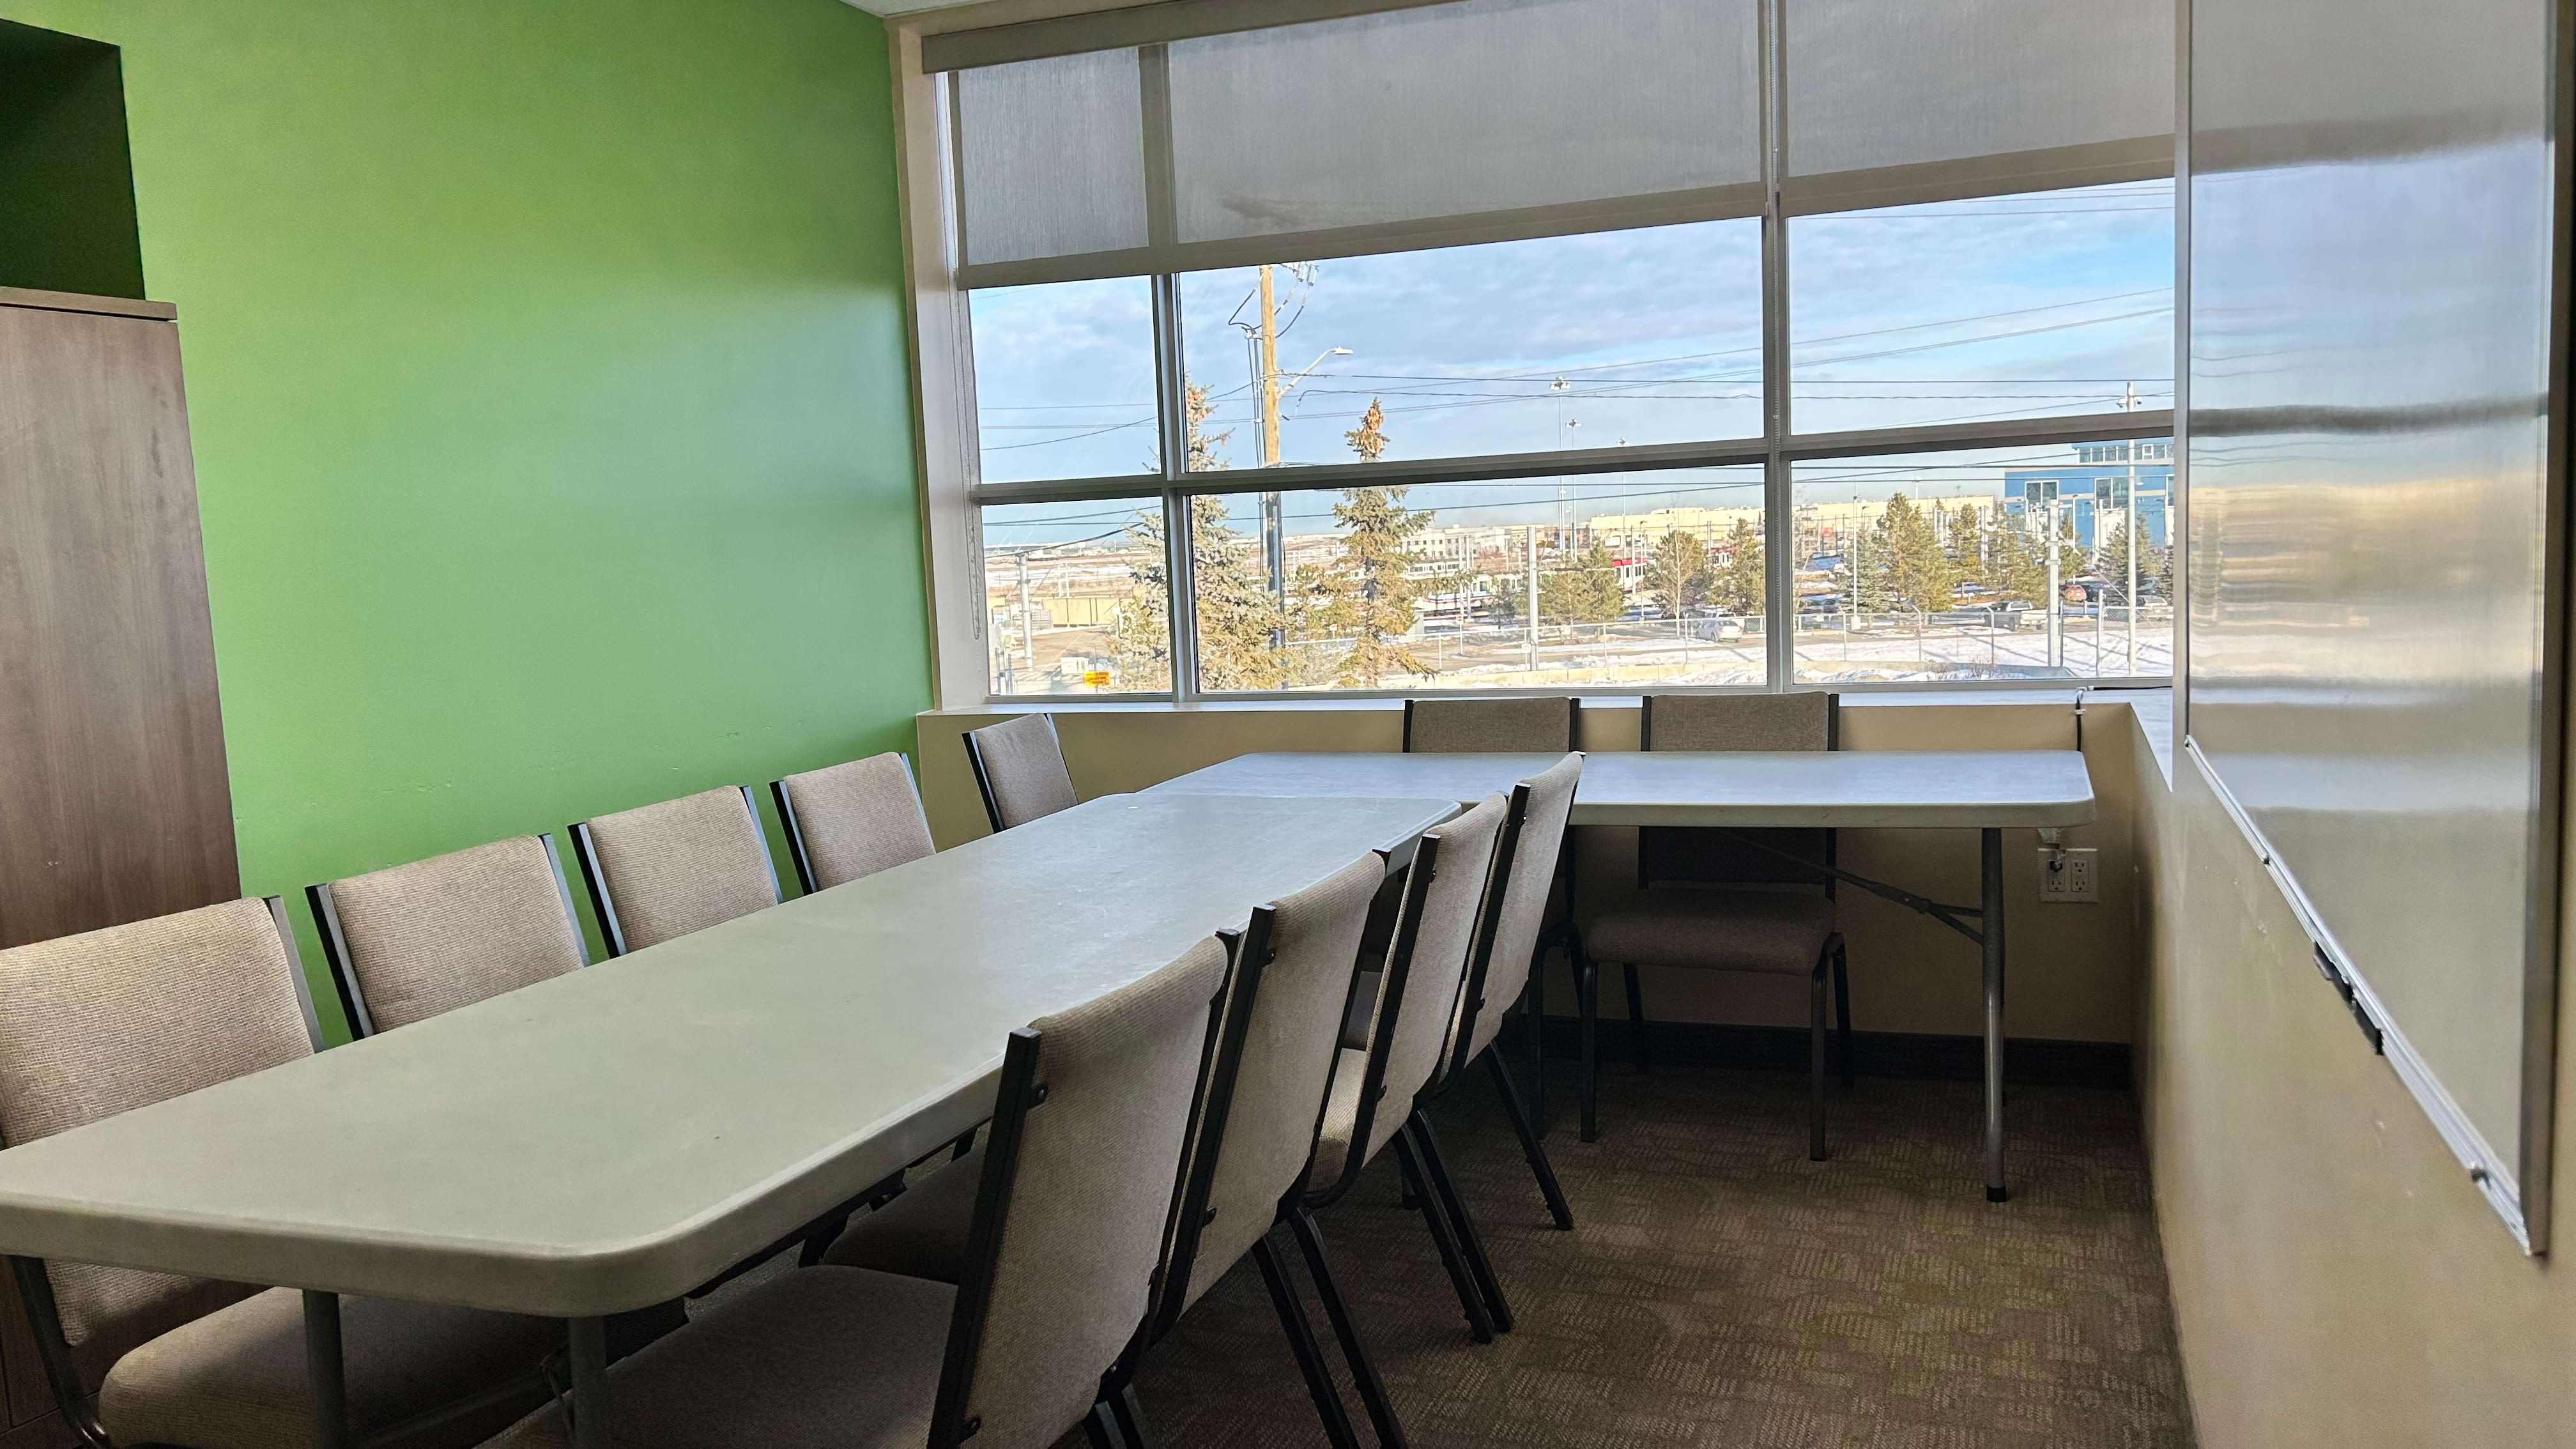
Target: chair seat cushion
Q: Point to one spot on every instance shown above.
(1775, 931)
(922, 1233)
(1341, 1123)
(235, 1378)
(821, 1356)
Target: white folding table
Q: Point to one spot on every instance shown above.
(611, 1139)
(1988, 791)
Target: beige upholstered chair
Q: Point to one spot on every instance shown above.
(851, 820)
(1019, 769)
(1490, 726)
(1292, 976)
(1375, 1088)
(409, 942)
(660, 871)
(1506, 942)
(102, 1023)
(1550, 725)
(1073, 1199)
(1729, 901)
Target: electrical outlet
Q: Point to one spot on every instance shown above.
(2070, 875)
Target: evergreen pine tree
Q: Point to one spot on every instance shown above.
(1916, 576)
(1236, 610)
(1739, 579)
(1366, 596)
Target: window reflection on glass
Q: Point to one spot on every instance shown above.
(1984, 309)
(1939, 566)
(1064, 380)
(1651, 335)
(1653, 578)
(1074, 600)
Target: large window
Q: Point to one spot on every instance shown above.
(1936, 567)
(1598, 581)
(1517, 344)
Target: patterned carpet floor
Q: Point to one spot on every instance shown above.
(1720, 1289)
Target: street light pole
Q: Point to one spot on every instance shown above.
(2056, 590)
(1529, 537)
(2129, 403)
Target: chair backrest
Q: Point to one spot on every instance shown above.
(1769, 722)
(1490, 726)
(108, 1021)
(851, 820)
(1080, 1169)
(1516, 904)
(1426, 970)
(407, 943)
(1019, 769)
(1304, 951)
(660, 871)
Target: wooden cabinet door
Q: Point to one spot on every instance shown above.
(114, 804)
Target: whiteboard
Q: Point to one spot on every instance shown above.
(2369, 435)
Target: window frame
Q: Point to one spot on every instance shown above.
(953, 492)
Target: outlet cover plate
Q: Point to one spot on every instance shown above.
(2072, 876)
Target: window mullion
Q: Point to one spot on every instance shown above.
(1779, 503)
(1180, 626)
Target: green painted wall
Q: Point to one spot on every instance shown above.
(546, 370)
(66, 183)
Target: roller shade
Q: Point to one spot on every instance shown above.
(1486, 120)
(1470, 121)
(1904, 100)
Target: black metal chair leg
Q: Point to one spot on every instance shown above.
(1816, 1064)
(1636, 1020)
(1842, 1014)
(1480, 1323)
(820, 1241)
(1587, 1001)
(1100, 1430)
(1531, 1148)
(1536, 1016)
(1444, 1188)
(1128, 1417)
(1381, 1410)
(1310, 1357)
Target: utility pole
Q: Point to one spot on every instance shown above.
(1274, 542)
(1028, 633)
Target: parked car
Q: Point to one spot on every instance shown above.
(1994, 613)
(1715, 623)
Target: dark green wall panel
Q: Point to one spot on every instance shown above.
(66, 183)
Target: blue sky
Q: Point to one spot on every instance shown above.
(1992, 308)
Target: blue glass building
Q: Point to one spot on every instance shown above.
(2097, 483)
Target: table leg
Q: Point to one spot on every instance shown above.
(1991, 851)
(324, 1368)
(588, 1341)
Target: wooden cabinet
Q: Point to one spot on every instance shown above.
(114, 805)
